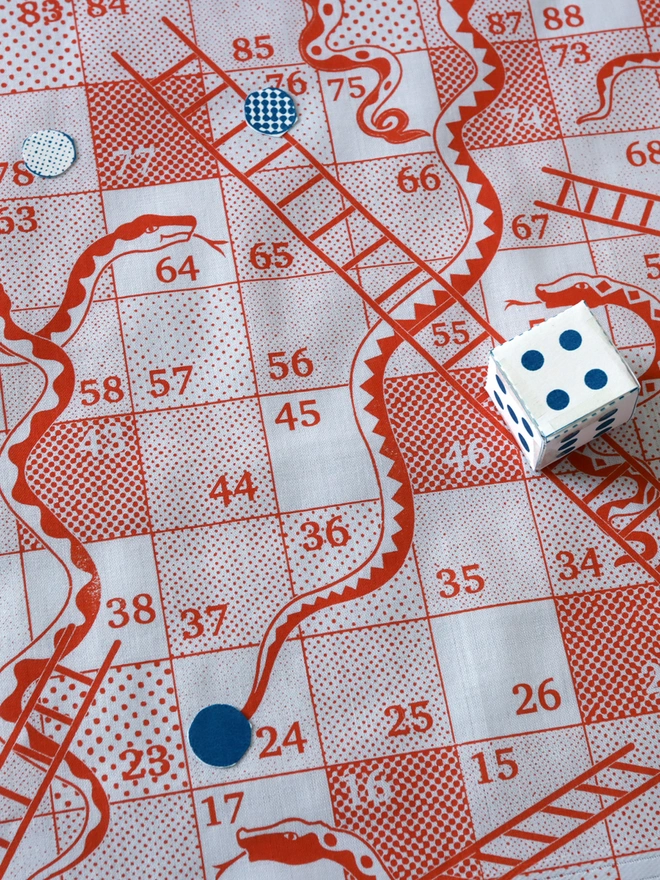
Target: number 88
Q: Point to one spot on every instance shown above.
(553, 21)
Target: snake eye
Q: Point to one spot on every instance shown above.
(291, 835)
(582, 285)
(151, 229)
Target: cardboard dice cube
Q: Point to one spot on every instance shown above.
(560, 385)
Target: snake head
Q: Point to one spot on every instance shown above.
(291, 842)
(151, 232)
(572, 289)
(297, 842)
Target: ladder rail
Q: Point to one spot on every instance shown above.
(609, 221)
(405, 333)
(651, 782)
(57, 759)
(314, 162)
(568, 177)
(472, 849)
(576, 178)
(382, 313)
(42, 681)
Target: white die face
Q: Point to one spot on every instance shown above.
(564, 370)
(602, 422)
(521, 426)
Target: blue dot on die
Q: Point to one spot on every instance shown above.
(532, 360)
(220, 735)
(524, 442)
(501, 384)
(498, 399)
(513, 414)
(558, 399)
(604, 428)
(527, 427)
(570, 340)
(595, 379)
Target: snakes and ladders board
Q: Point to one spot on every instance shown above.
(254, 256)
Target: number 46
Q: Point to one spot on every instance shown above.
(477, 456)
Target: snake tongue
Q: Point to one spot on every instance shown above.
(220, 869)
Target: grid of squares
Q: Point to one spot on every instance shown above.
(225, 322)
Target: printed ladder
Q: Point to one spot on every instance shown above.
(320, 182)
(595, 186)
(381, 302)
(549, 805)
(48, 763)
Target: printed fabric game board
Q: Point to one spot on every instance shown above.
(248, 459)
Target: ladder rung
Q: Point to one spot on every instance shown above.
(647, 212)
(619, 206)
(530, 835)
(591, 201)
(40, 757)
(328, 226)
(564, 192)
(603, 790)
(269, 158)
(365, 253)
(173, 69)
(300, 190)
(194, 107)
(634, 768)
(237, 129)
(465, 350)
(4, 843)
(569, 814)
(497, 860)
(71, 673)
(52, 713)
(397, 284)
(14, 796)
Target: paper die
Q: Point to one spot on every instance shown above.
(560, 385)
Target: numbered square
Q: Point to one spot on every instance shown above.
(355, 134)
(147, 836)
(206, 464)
(203, 261)
(88, 473)
(494, 691)
(377, 691)
(381, 800)
(445, 443)
(285, 737)
(224, 809)
(472, 551)
(296, 340)
(318, 454)
(505, 777)
(222, 585)
(130, 607)
(62, 225)
(186, 347)
(611, 643)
